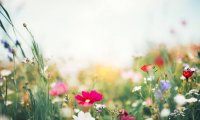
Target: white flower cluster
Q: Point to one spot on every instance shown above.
(181, 100)
(191, 100)
(193, 91)
(177, 113)
(28, 61)
(150, 78)
(83, 116)
(136, 88)
(5, 73)
(99, 107)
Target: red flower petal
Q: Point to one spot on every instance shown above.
(159, 61)
(187, 74)
(85, 94)
(147, 67)
(96, 96)
(81, 103)
(78, 97)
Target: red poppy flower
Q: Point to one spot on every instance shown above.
(159, 61)
(187, 73)
(147, 67)
(88, 98)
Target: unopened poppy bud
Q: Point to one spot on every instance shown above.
(24, 24)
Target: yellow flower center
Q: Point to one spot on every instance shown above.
(87, 100)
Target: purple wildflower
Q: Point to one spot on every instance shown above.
(158, 94)
(165, 85)
(10, 50)
(5, 44)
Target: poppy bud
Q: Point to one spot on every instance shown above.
(159, 61)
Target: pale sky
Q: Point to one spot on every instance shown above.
(105, 31)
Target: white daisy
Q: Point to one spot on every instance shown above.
(180, 99)
(165, 112)
(83, 116)
(5, 72)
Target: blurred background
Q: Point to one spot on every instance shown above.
(82, 32)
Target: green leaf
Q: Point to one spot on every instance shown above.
(137, 108)
(7, 14)
(4, 29)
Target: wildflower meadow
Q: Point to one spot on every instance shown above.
(163, 84)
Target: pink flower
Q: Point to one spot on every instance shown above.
(127, 74)
(58, 89)
(148, 102)
(88, 98)
(134, 76)
(127, 117)
(123, 115)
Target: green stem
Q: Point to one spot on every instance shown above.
(15, 84)
(22, 51)
(6, 94)
(193, 114)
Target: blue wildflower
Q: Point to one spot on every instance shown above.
(5, 44)
(165, 85)
(17, 43)
(12, 51)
